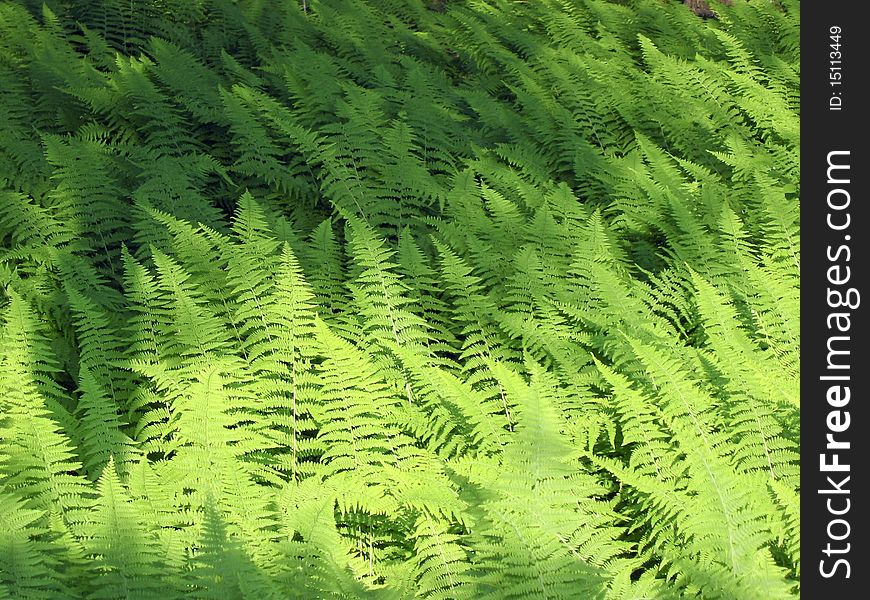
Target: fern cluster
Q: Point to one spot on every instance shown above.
(399, 299)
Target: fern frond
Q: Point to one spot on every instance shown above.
(38, 459)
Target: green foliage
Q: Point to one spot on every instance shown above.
(399, 299)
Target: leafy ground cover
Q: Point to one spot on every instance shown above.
(395, 299)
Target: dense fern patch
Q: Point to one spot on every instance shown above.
(399, 299)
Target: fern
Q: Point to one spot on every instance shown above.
(30, 562)
(369, 298)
